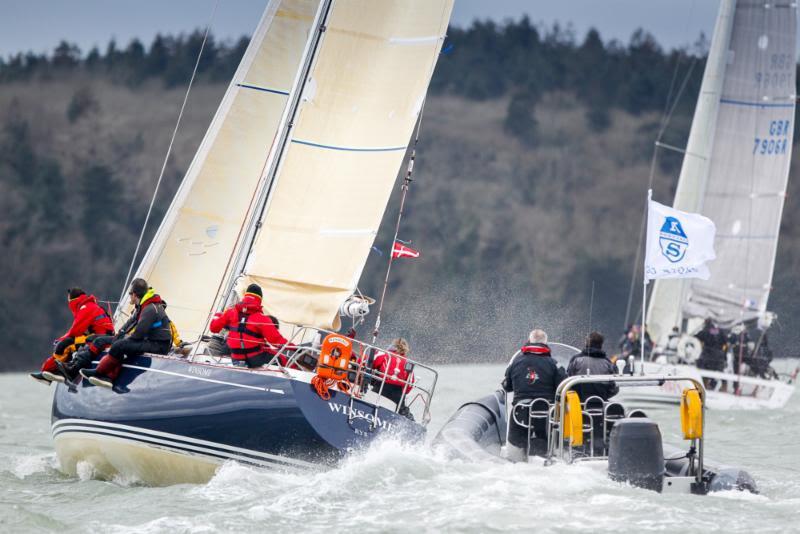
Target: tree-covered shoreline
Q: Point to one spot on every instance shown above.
(482, 62)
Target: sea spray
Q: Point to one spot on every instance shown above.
(25, 466)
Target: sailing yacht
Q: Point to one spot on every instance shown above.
(735, 172)
(287, 190)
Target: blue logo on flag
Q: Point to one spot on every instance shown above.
(673, 240)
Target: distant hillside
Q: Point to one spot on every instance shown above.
(531, 177)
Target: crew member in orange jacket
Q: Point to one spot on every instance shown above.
(253, 337)
(394, 366)
(88, 318)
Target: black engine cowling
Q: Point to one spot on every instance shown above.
(635, 453)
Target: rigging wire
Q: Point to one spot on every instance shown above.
(169, 152)
(591, 307)
(406, 183)
(669, 110)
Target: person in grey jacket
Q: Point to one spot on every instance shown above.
(593, 361)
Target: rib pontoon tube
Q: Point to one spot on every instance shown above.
(720, 477)
(477, 430)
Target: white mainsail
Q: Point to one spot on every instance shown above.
(360, 102)
(736, 166)
(191, 251)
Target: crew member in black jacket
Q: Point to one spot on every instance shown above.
(147, 330)
(593, 361)
(532, 374)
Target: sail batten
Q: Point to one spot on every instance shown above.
(352, 148)
(265, 89)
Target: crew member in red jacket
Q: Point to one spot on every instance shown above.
(395, 367)
(253, 337)
(88, 318)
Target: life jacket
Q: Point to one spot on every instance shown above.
(101, 322)
(161, 329)
(538, 349)
(245, 339)
(394, 367)
(176, 336)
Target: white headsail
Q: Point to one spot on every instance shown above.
(736, 166)
(191, 251)
(360, 102)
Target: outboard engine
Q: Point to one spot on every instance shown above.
(635, 453)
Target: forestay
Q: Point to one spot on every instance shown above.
(359, 106)
(191, 251)
(736, 168)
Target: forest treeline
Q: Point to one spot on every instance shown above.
(532, 168)
(485, 61)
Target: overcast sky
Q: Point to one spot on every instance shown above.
(39, 25)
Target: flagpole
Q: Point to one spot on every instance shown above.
(643, 333)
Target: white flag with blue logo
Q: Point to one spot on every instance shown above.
(678, 243)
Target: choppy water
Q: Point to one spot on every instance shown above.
(393, 488)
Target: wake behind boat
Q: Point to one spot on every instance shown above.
(285, 193)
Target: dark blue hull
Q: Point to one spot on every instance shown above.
(211, 414)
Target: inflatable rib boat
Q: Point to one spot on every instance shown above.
(593, 430)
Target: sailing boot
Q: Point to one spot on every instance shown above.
(54, 377)
(80, 360)
(50, 370)
(39, 377)
(105, 373)
(66, 371)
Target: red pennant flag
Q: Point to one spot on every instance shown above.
(400, 250)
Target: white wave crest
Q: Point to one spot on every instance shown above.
(85, 470)
(25, 466)
(162, 524)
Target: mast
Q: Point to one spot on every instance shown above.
(666, 302)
